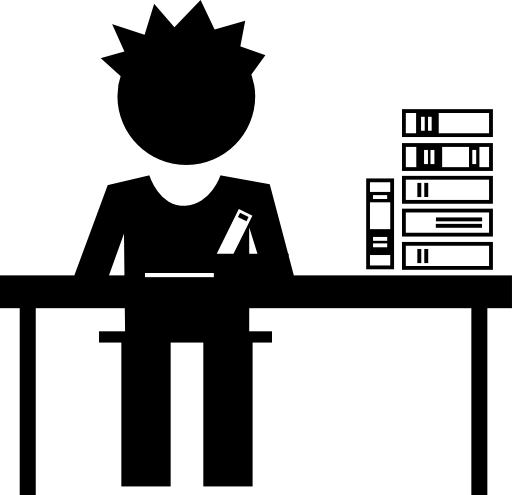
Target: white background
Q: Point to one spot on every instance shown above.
(329, 95)
(345, 401)
(500, 401)
(9, 402)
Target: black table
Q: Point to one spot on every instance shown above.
(477, 293)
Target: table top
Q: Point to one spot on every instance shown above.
(303, 291)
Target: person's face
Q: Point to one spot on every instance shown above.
(186, 120)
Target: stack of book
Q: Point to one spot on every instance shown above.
(453, 219)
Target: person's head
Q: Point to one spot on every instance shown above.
(186, 93)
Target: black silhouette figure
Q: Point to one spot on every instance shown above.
(179, 84)
(186, 96)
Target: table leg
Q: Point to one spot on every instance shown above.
(27, 401)
(479, 396)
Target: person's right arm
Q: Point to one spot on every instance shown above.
(105, 236)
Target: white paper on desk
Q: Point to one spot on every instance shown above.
(178, 275)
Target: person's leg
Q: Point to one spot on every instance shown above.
(146, 414)
(228, 443)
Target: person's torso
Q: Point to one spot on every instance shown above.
(161, 237)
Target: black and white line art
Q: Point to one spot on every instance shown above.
(447, 123)
(438, 157)
(453, 222)
(186, 96)
(447, 189)
(453, 189)
(447, 256)
(380, 230)
(318, 374)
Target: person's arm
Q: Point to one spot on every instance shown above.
(105, 237)
(267, 234)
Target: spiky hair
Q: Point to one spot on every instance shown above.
(193, 42)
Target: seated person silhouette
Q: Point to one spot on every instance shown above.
(186, 96)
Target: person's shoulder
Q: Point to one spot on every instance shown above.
(243, 182)
(128, 186)
(130, 183)
(245, 185)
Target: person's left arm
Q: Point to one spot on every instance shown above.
(267, 234)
